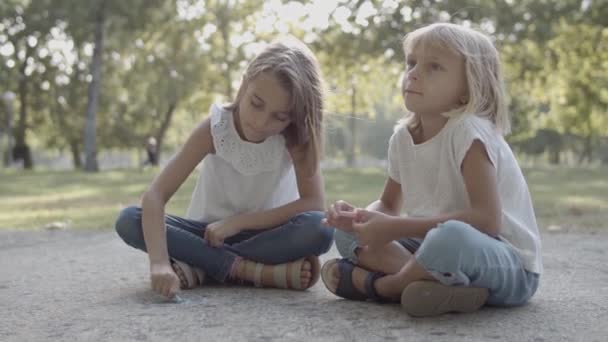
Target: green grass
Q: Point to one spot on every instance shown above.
(571, 198)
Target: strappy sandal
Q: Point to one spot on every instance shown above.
(345, 288)
(288, 275)
(189, 277)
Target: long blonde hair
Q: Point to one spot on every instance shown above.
(298, 71)
(486, 90)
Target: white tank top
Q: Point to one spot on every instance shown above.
(241, 176)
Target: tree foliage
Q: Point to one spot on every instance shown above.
(164, 62)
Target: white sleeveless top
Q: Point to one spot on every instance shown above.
(241, 176)
(432, 183)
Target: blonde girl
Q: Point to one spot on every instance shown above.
(469, 234)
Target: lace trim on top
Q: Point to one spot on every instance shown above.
(246, 157)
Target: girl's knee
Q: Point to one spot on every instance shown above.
(449, 235)
(450, 251)
(316, 233)
(450, 243)
(128, 224)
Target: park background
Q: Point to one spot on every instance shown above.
(84, 85)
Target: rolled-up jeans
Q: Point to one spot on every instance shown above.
(456, 254)
(304, 235)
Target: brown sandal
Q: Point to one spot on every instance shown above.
(430, 298)
(288, 275)
(189, 277)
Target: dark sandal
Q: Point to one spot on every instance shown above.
(346, 289)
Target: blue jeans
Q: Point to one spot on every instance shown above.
(302, 236)
(456, 254)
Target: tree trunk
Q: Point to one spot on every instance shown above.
(21, 149)
(72, 140)
(587, 150)
(352, 125)
(223, 16)
(75, 149)
(587, 153)
(589, 140)
(9, 102)
(90, 129)
(164, 127)
(554, 158)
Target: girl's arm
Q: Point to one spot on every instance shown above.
(197, 146)
(391, 199)
(342, 215)
(485, 212)
(310, 188)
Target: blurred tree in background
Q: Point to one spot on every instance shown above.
(108, 74)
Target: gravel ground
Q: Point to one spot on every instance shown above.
(83, 285)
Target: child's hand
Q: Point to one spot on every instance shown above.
(341, 216)
(370, 228)
(217, 232)
(164, 281)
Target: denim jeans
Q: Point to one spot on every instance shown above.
(302, 236)
(456, 254)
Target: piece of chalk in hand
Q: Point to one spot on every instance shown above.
(176, 299)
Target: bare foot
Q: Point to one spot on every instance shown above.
(305, 273)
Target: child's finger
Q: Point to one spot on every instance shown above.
(173, 290)
(357, 227)
(328, 216)
(334, 223)
(347, 214)
(341, 205)
(361, 215)
(337, 207)
(155, 287)
(345, 206)
(168, 289)
(162, 289)
(212, 240)
(331, 214)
